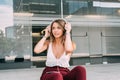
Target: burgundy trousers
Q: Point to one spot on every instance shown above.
(60, 73)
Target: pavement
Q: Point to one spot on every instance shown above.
(94, 72)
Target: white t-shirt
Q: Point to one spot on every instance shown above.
(51, 61)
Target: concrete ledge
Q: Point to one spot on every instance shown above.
(39, 58)
(7, 58)
(111, 54)
(15, 65)
(43, 58)
(75, 55)
(14, 62)
(95, 55)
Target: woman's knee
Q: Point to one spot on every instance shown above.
(80, 69)
(79, 73)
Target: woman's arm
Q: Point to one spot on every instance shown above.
(42, 45)
(69, 45)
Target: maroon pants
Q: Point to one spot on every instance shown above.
(52, 73)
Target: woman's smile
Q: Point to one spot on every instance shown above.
(57, 31)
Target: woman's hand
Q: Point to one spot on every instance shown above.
(68, 27)
(47, 31)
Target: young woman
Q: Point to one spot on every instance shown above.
(59, 49)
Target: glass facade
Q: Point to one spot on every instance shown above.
(95, 25)
(6, 27)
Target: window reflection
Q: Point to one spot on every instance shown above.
(6, 14)
(6, 27)
(88, 17)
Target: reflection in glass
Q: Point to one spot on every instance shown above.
(6, 27)
(86, 16)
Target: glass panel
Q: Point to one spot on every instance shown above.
(22, 28)
(45, 8)
(95, 15)
(6, 28)
(91, 20)
(23, 40)
(75, 7)
(95, 41)
(111, 40)
(111, 45)
(108, 8)
(80, 37)
(15, 32)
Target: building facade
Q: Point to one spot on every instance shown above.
(95, 30)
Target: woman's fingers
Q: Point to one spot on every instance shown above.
(68, 26)
(48, 27)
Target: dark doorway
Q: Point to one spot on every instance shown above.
(36, 31)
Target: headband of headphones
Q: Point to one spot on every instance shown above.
(58, 19)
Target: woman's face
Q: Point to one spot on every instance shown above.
(57, 30)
